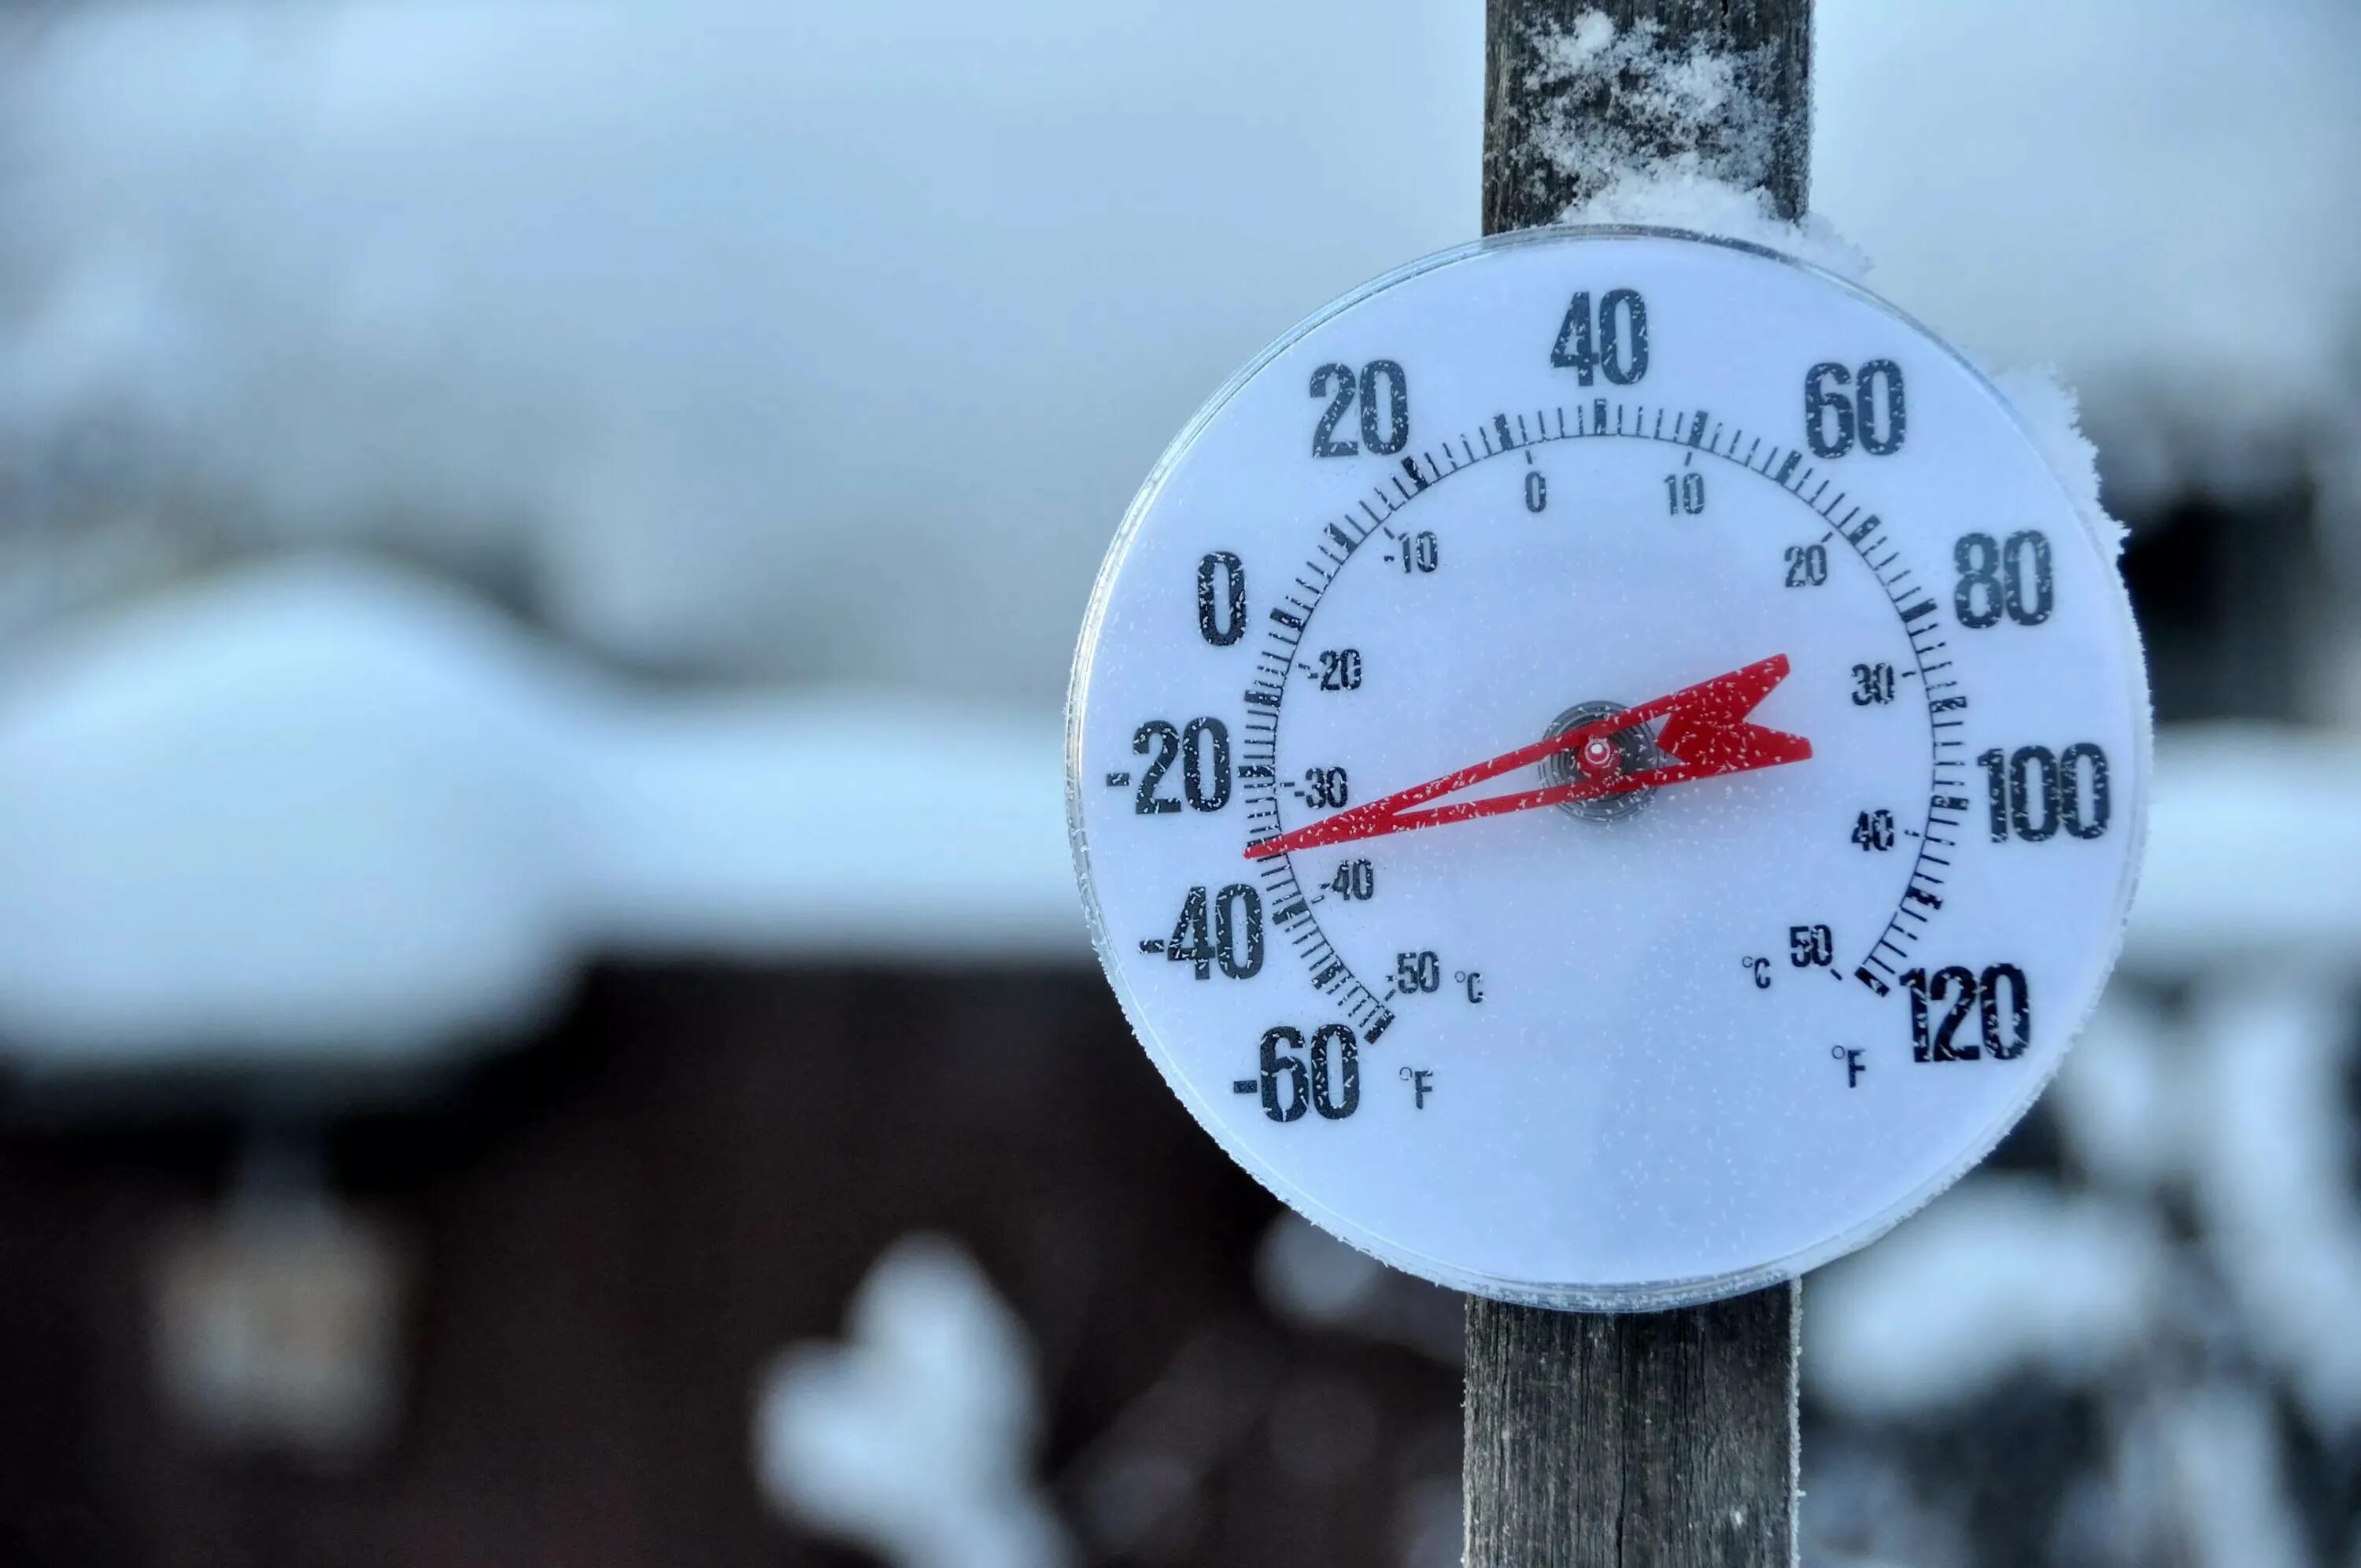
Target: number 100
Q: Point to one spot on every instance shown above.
(2034, 792)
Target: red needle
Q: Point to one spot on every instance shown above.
(1705, 727)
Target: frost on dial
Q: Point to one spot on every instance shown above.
(1606, 767)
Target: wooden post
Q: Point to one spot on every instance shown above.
(1759, 136)
(1663, 1439)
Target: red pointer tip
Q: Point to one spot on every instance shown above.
(1704, 727)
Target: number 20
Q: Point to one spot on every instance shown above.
(1386, 438)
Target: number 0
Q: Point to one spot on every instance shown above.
(1221, 598)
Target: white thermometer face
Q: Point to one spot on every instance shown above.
(1605, 768)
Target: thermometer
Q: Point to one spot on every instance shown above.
(1605, 768)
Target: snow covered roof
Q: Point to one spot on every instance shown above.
(324, 812)
(716, 325)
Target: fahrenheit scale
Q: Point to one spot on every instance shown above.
(1605, 768)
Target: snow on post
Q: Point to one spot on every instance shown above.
(1581, 98)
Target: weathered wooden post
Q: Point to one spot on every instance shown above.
(1655, 1438)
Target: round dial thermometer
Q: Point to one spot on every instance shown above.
(1605, 768)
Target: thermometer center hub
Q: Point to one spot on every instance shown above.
(1601, 756)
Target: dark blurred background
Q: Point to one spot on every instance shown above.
(510, 1054)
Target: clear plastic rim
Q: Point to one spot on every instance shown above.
(1655, 1295)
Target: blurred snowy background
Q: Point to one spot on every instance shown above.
(506, 511)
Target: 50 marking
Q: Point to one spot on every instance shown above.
(1422, 971)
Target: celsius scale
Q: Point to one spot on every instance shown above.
(1605, 768)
